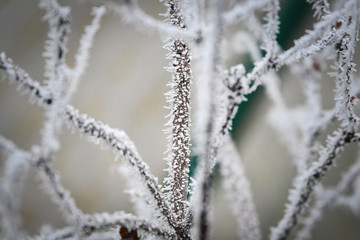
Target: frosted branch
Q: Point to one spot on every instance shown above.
(242, 11)
(325, 198)
(272, 27)
(16, 170)
(86, 41)
(105, 222)
(240, 85)
(58, 18)
(282, 119)
(24, 82)
(238, 191)
(179, 120)
(133, 14)
(51, 180)
(122, 146)
(61, 234)
(294, 54)
(209, 115)
(345, 50)
(321, 7)
(97, 130)
(353, 200)
(11, 184)
(304, 185)
(98, 223)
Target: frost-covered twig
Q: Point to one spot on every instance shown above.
(344, 94)
(56, 72)
(51, 180)
(179, 121)
(242, 85)
(322, 7)
(209, 114)
(102, 222)
(123, 147)
(353, 200)
(281, 118)
(304, 185)
(243, 10)
(17, 166)
(293, 55)
(58, 18)
(300, 127)
(24, 82)
(272, 28)
(60, 234)
(98, 130)
(239, 192)
(11, 184)
(132, 13)
(325, 198)
(105, 221)
(86, 41)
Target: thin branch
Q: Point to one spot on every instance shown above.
(324, 198)
(122, 146)
(12, 181)
(272, 28)
(105, 222)
(323, 34)
(98, 223)
(50, 179)
(294, 54)
(133, 14)
(345, 50)
(238, 191)
(56, 71)
(61, 196)
(24, 82)
(322, 7)
(115, 138)
(61, 234)
(243, 10)
(304, 185)
(207, 130)
(58, 18)
(86, 41)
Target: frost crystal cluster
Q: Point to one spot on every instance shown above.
(195, 34)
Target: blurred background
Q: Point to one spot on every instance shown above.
(124, 87)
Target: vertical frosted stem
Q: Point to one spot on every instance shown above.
(179, 122)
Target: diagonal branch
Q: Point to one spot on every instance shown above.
(118, 140)
(242, 11)
(305, 184)
(327, 197)
(238, 191)
(122, 146)
(133, 14)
